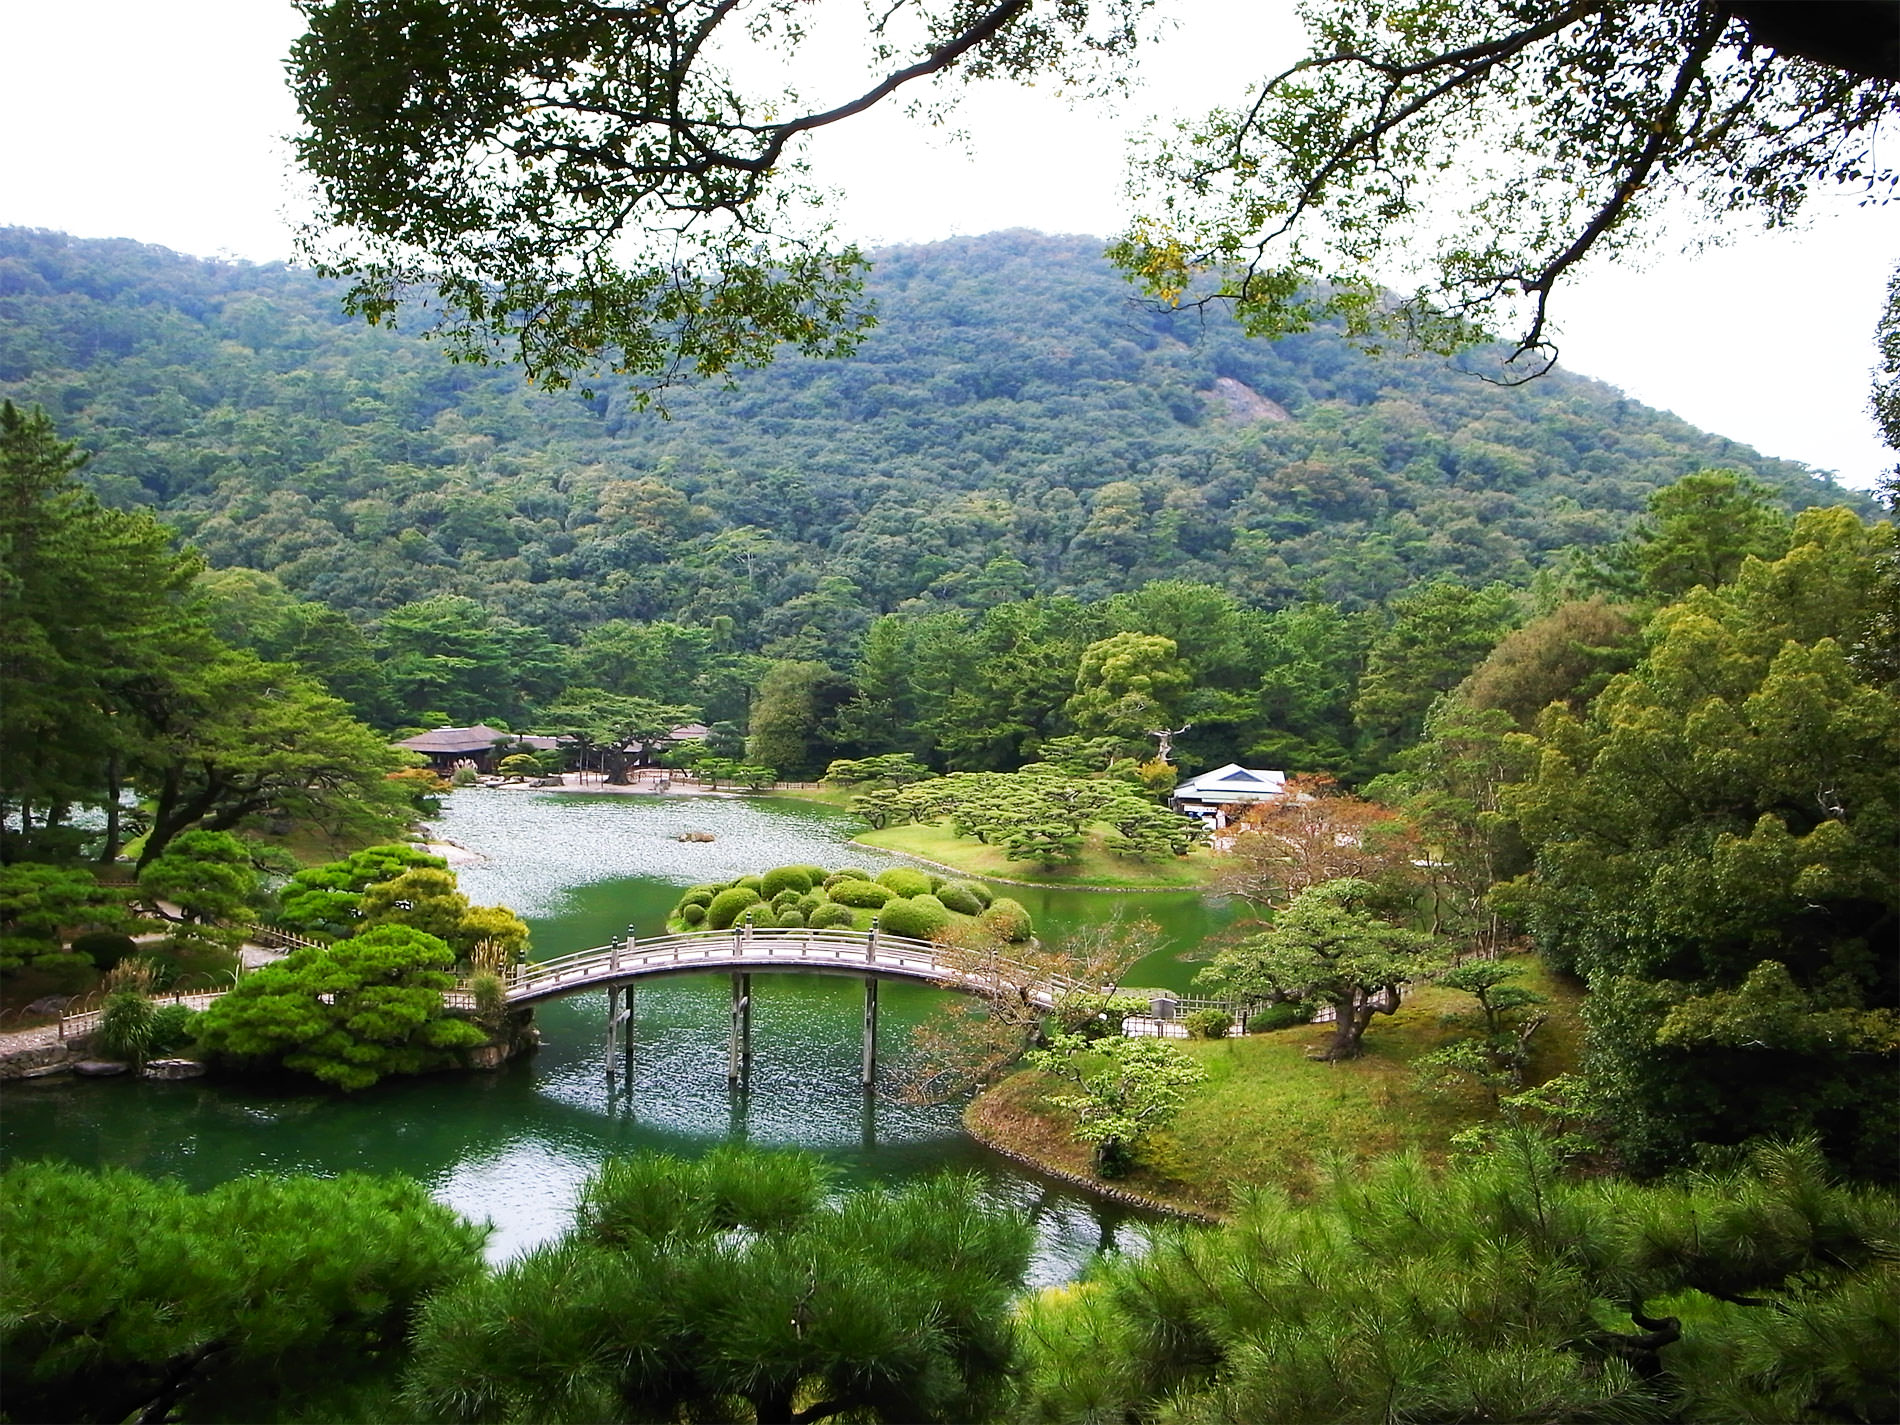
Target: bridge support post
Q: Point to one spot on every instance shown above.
(739, 1049)
(867, 1073)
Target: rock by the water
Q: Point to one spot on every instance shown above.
(174, 1069)
(99, 1068)
(696, 836)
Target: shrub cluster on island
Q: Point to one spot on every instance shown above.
(904, 900)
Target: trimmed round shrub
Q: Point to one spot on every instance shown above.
(814, 875)
(830, 916)
(862, 895)
(760, 915)
(105, 948)
(792, 919)
(780, 879)
(919, 917)
(1208, 1024)
(976, 888)
(173, 1027)
(937, 882)
(1008, 919)
(699, 895)
(726, 906)
(955, 895)
(905, 881)
(693, 913)
(847, 873)
(810, 902)
(785, 900)
(751, 883)
(1278, 1016)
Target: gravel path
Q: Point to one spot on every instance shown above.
(14, 1040)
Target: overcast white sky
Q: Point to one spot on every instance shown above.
(163, 122)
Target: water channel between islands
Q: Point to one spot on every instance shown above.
(513, 1147)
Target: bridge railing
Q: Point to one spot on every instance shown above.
(829, 948)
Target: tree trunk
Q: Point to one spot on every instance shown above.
(109, 852)
(1348, 1026)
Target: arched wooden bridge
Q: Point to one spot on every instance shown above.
(844, 952)
(742, 951)
(872, 955)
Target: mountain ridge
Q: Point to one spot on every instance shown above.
(1017, 424)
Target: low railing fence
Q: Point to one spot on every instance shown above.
(746, 945)
(77, 1023)
(262, 934)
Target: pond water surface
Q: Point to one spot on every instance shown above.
(513, 1147)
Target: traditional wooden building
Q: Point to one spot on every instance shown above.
(448, 747)
(1218, 795)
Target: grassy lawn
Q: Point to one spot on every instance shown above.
(1098, 867)
(1269, 1116)
(839, 797)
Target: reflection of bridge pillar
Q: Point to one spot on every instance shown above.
(868, 1071)
(620, 1029)
(739, 1049)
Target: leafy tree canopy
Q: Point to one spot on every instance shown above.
(348, 1014)
(592, 186)
(1327, 948)
(127, 1298)
(1500, 1289)
(1475, 155)
(877, 1305)
(595, 188)
(1715, 839)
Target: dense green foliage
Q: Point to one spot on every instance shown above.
(112, 679)
(1037, 814)
(349, 1013)
(263, 1298)
(737, 1287)
(1501, 1290)
(1012, 428)
(328, 899)
(1330, 948)
(1127, 1088)
(731, 1288)
(1715, 842)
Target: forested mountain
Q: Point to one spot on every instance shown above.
(1016, 425)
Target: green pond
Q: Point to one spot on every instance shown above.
(512, 1147)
